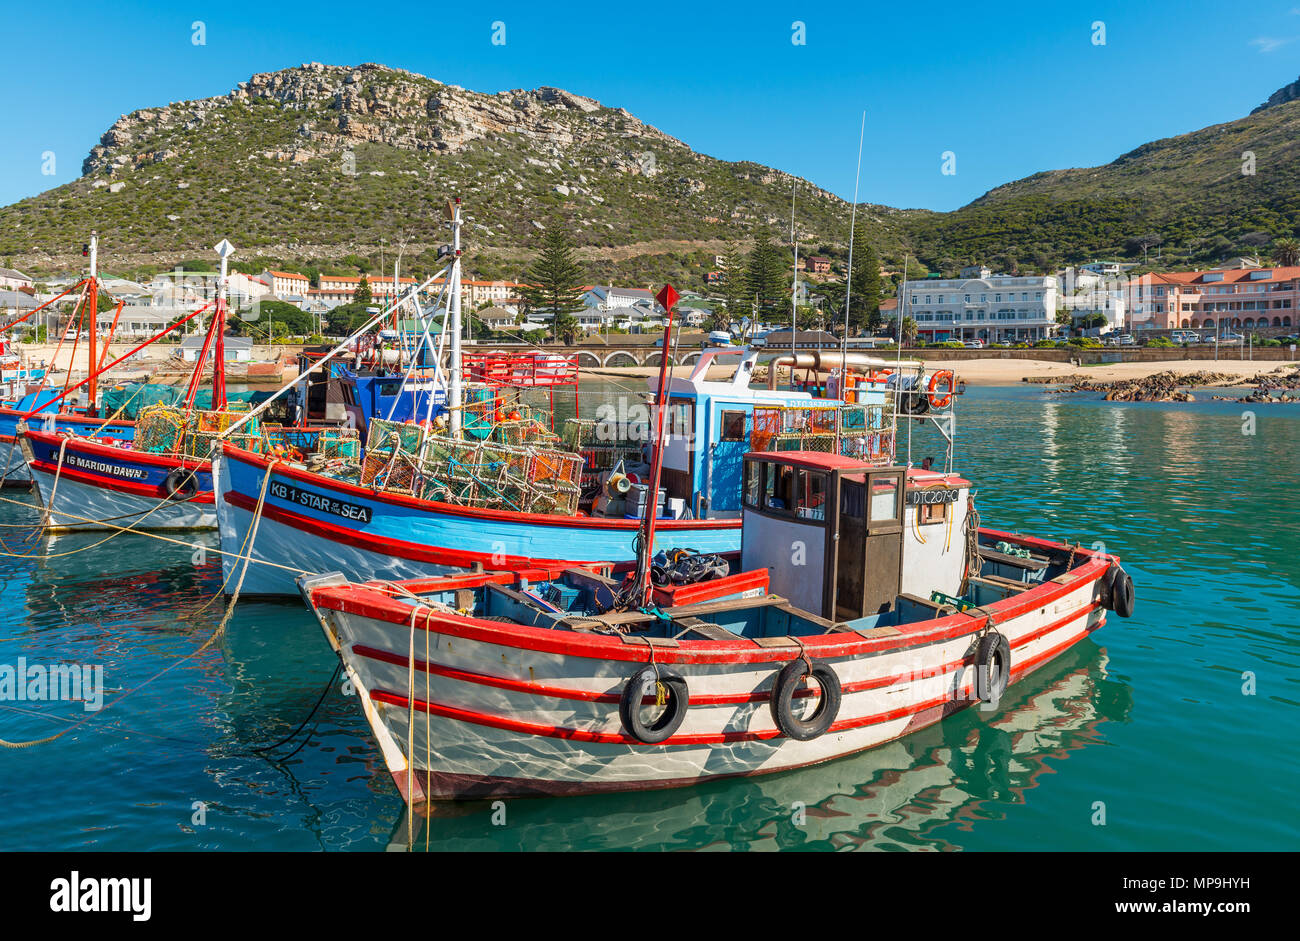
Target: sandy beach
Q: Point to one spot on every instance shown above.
(1002, 372)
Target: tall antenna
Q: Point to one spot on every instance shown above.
(848, 277)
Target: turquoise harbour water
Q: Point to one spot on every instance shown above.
(1146, 721)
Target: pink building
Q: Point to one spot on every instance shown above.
(1225, 298)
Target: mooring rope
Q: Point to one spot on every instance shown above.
(137, 532)
(216, 634)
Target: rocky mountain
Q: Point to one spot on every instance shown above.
(331, 166)
(322, 162)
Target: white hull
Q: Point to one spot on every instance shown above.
(76, 502)
(281, 553)
(477, 738)
(13, 465)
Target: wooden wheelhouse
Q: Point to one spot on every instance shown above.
(829, 528)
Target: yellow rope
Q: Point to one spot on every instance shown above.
(410, 734)
(428, 735)
(221, 628)
(113, 417)
(142, 532)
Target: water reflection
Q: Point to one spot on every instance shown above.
(898, 796)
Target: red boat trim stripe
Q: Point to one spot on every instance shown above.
(728, 699)
(122, 454)
(112, 483)
(385, 546)
(705, 738)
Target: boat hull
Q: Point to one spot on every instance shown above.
(13, 464)
(311, 523)
(508, 710)
(103, 487)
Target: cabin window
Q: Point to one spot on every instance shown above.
(851, 500)
(753, 482)
(733, 426)
(884, 499)
(811, 499)
(932, 513)
(681, 419)
(389, 389)
(778, 487)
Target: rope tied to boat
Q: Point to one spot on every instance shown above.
(216, 634)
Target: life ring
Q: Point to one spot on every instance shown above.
(1118, 594)
(790, 680)
(992, 666)
(946, 377)
(649, 681)
(181, 483)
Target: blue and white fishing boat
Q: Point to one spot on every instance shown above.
(310, 521)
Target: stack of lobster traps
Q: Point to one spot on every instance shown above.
(488, 473)
(603, 445)
(164, 429)
(864, 432)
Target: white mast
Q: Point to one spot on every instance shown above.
(794, 291)
(454, 394)
(848, 276)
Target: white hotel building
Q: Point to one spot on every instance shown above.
(982, 306)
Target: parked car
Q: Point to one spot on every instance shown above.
(974, 344)
(1231, 337)
(1125, 339)
(1185, 336)
(1005, 344)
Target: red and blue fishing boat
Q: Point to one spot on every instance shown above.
(55, 411)
(162, 479)
(312, 521)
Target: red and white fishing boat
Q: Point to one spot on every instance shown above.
(870, 604)
(887, 607)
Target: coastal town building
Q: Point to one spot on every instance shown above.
(1085, 294)
(990, 307)
(14, 280)
(285, 282)
(1218, 299)
(341, 289)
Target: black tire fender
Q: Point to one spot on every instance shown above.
(641, 684)
(181, 483)
(789, 681)
(992, 666)
(1119, 595)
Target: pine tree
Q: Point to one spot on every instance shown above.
(362, 294)
(734, 290)
(554, 284)
(765, 280)
(864, 304)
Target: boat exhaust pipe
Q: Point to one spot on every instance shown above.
(827, 360)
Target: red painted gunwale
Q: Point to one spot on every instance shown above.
(366, 601)
(105, 482)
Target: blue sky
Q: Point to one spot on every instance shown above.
(1009, 88)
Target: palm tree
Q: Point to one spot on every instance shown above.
(1286, 252)
(909, 331)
